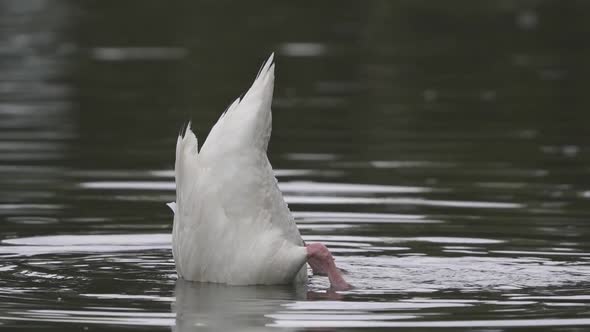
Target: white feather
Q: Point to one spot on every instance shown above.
(231, 223)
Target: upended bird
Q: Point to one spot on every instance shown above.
(231, 222)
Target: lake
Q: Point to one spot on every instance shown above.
(440, 150)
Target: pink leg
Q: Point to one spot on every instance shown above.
(320, 259)
(317, 266)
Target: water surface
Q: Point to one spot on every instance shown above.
(441, 152)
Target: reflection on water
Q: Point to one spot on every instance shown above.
(203, 305)
(440, 151)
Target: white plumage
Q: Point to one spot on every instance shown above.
(231, 223)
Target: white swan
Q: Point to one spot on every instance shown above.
(231, 223)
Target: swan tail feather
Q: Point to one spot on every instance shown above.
(247, 121)
(185, 167)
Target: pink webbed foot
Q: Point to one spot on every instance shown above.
(321, 261)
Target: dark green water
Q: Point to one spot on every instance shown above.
(441, 151)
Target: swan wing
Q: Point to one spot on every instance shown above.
(235, 151)
(231, 222)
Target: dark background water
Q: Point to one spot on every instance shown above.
(440, 149)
